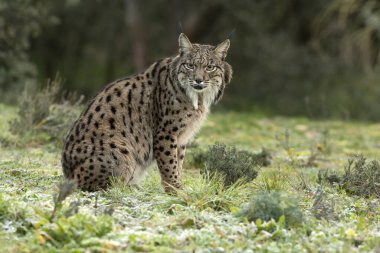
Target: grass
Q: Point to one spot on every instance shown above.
(204, 217)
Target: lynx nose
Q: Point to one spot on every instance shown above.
(198, 81)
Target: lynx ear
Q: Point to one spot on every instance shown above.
(222, 48)
(226, 80)
(227, 73)
(184, 44)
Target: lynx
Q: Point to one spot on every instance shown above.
(147, 117)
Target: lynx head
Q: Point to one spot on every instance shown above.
(202, 69)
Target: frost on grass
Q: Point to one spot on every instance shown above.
(203, 216)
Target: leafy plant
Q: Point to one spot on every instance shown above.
(42, 111)
(75, 231)
(327, 176)
(20, 22)
(360, 177)
(233, 164)
(272, 205)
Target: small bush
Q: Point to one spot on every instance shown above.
(233, 164)
(272, 205)
(34, 107)
(263, 158)
(327, 176)
(43, 111)
(360, 177)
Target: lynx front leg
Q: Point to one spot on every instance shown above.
(181, 157)
(166, 155)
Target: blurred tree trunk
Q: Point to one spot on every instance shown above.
(199, 23)
(134, 23)
(196, 23)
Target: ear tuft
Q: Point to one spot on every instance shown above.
(222, 48)
(184, 44)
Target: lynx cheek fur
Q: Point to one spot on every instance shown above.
(147, 117)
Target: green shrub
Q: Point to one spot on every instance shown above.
(21, 21)
(272, 205)
(233, 164)
(360, 177)
(43, 111)
(327, 176)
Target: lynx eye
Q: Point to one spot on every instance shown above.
(210, 68)
(189, 66)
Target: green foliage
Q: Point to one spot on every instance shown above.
(263, 158)
(34, 107)
(233, 164)
(313, 52)
(272, 205)
(350, 30)
(9, 211)
(209, 191)
(327, 176)
(360, 177)
(41, 111)
(75, 231)
(20, 21)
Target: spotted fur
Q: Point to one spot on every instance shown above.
(148, 117)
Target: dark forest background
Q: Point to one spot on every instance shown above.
(317, 58)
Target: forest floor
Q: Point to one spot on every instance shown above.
(204, 217)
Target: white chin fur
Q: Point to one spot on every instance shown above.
(209, 94)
